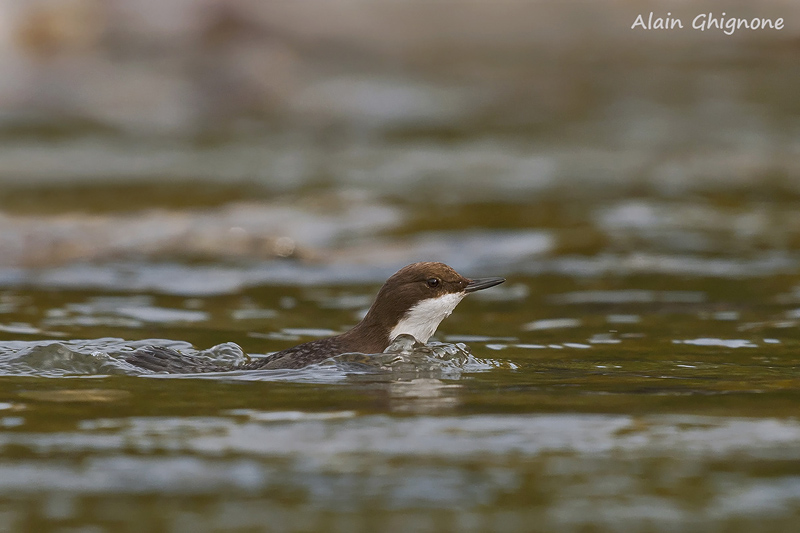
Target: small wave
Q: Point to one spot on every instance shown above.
(86, 357)
(404, 359)
(106, 356)
(407, 356)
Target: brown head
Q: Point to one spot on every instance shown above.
(414, 301)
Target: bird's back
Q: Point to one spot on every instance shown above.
(160, 359)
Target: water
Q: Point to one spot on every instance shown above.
(638, 371)
(643, 401)
(231, 180)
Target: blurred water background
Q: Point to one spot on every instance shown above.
(239, 176)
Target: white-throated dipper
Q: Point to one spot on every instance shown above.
(413, 302)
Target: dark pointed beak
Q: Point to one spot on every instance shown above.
(482, 283)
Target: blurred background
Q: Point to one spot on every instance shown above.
(194, 173)
(356, 133)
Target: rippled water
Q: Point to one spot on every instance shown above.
(646, 402)
(229, 179)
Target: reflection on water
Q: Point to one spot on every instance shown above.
(422, 395)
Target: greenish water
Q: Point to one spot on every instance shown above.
(601, 403)
(239, 177)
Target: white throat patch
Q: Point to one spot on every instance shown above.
(422, 320)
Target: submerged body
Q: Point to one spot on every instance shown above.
(412, 302)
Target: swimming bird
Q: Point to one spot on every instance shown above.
(413, 301)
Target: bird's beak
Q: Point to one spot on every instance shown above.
(482, 283)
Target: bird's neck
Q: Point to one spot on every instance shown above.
(368, 336)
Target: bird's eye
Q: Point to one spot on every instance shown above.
(433, 282)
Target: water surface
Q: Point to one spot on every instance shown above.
(638, 401)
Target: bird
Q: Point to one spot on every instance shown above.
(413, 301)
